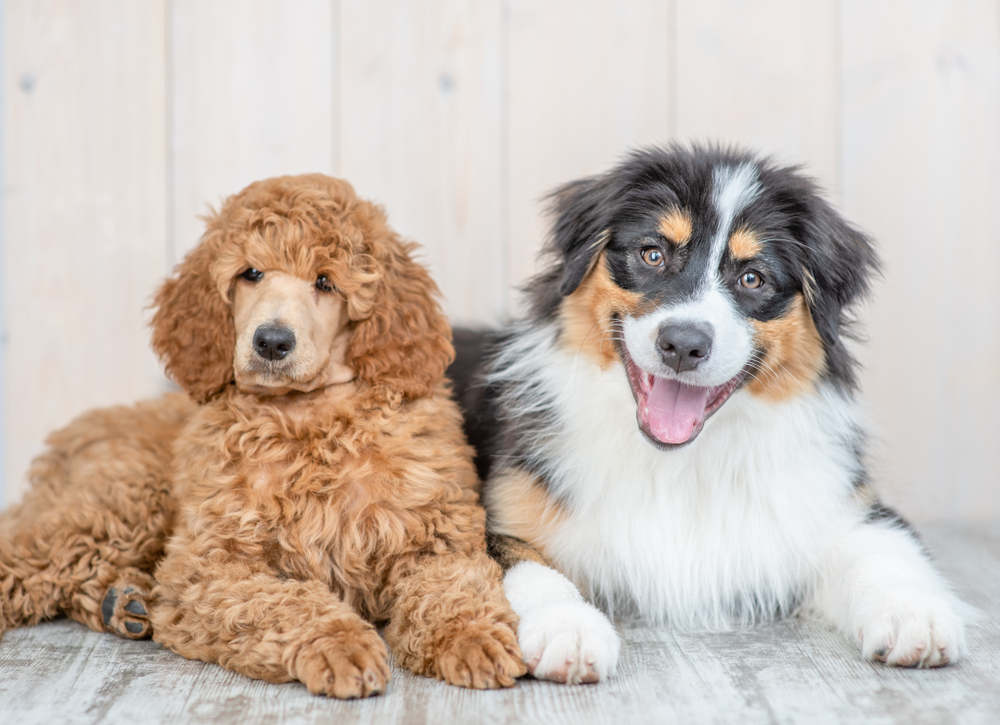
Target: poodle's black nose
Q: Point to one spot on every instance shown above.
(273, 343)
(684, 346)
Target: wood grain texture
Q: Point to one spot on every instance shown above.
(122, 120)
(582, 89)
(252, 90)
(922, 173)
(421, 113)
(84, 205)
(763, 74)
(790, 671)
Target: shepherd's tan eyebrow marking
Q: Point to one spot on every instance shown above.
(676, 226)
(744, 244)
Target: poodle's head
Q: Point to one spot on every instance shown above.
(298, 284)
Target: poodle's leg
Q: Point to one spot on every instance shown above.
(227, 609)
(29, 593)
(94, 571)
(880, 588)
(95, 519)
(451, 620)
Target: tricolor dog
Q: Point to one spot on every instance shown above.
(671, 431)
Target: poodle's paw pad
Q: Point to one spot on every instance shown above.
(918, 631)
(345, 665)
(125, 611)
(482, 656)
(568, 642)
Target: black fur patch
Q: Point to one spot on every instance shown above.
(469, 389)
(880, 513)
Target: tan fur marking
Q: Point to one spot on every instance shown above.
(509, 552)
(520, 507)
(793, 354)
(676, 226)
(744, 244)
(586, 315)
(865, 497)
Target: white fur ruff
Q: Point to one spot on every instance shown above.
(755, 518)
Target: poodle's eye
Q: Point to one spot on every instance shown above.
(323, 283)
(252, 275)
(751, 280)
(653, 256)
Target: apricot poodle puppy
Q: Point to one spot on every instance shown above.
(314, 479)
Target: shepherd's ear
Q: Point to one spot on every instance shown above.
(581, 230)
(839, 266)
(193, 331)
(404, 346)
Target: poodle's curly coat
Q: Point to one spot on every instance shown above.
(278, 522)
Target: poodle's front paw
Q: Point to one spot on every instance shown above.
(125, 608)
(569, 642)
(915, 630)
(345, 665)
(483, 657)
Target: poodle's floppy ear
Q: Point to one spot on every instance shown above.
(193, 331)
(404, 345)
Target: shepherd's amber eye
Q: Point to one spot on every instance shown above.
(252, 275)
(323, 283)
(652, 256)
(751, 280)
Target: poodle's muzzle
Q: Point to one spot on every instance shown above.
(290, 335)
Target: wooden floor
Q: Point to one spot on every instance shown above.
(789, 672)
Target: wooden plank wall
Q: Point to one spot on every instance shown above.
(123, 119)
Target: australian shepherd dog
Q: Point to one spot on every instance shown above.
(671, 431)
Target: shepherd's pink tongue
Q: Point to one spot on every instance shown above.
(674, 410)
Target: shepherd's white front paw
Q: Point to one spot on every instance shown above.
(569, 642)
(562, 637)
(913, 629)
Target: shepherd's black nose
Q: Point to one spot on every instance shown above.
(273, 343)
(684, 345)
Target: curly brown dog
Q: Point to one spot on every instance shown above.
(316, 480)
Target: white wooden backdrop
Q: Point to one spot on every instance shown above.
(122, 119)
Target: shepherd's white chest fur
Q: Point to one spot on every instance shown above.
(723, 531)
(756, 517)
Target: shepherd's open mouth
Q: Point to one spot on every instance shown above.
(669, 413)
